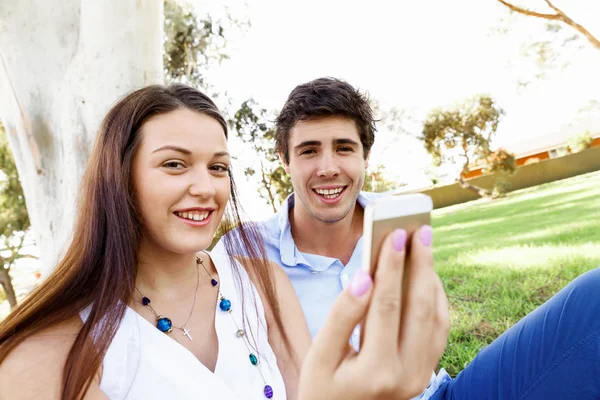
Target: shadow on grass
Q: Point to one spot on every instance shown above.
(500, 260)
(486, 301)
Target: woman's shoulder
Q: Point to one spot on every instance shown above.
(34, 368)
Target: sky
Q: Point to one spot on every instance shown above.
(412, 55)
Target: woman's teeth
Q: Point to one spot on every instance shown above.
(193, 215)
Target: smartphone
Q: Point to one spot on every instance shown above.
(386, 214)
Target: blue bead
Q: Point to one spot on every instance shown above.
(268, 392)
(164, 324)
(225, 305)
(145, 301)
(214, 282)
(253, 359)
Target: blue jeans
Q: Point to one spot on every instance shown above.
(552, 353)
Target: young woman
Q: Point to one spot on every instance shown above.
(137, 309)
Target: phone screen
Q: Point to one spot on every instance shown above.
(381, 228)
(384, 215)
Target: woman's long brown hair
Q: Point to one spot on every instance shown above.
(99, 266)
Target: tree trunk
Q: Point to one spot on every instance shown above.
(461, 177)
(479, 190)
(267, 185)
(62, 65)
(9, 290)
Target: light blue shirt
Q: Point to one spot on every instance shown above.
(318, 280)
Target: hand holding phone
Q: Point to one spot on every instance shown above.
(404, 315)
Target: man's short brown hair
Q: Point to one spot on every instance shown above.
(324, 97)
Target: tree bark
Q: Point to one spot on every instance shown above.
(461, 178)
(559, 16)
(62, 65)
(9, 290)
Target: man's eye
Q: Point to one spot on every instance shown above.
(309, 151)
(346, 149)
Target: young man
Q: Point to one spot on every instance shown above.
(324, 134)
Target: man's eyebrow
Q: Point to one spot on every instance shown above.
(174, 148)
(308, 143)
(345, 141)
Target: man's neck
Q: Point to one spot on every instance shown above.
(330, 239)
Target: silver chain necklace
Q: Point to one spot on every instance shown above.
(165, 324)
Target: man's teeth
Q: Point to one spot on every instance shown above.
(329, 193)
(194, 215)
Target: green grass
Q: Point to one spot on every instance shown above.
(501, 259)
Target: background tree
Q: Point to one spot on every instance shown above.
(580, 142)
(557, 15)
(193, 45)
(466, 132)
(553, 45)
(376, 180)
(255, 126)
(14, 220)
(62, 65)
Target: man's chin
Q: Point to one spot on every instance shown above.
(331, 216)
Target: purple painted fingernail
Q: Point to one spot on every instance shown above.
(360, 283)
(426, 235)
(399, 239)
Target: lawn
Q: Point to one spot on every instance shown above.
(501, 259)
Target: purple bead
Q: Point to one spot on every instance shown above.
(214, 282)
(268, 392)
(145, 301)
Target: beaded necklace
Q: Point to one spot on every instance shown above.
(165, 324)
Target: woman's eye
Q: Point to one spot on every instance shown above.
(174, 165)
(220, 168)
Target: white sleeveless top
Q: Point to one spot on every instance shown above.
(143, 363)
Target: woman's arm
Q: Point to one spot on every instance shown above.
(34, 369)
(289, 360)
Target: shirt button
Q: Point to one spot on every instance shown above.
(345, 277)
(356, 332)
(315, 272)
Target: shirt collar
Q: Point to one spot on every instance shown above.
(290, 256)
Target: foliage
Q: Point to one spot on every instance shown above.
(254, 126)
(193, 45)
(502, 163)
(13, 211)
(376, 181)
(466, 132)
(14, 219)
(580, 142)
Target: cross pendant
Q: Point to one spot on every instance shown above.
(186, 332)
